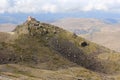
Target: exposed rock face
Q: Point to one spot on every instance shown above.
(84, 44)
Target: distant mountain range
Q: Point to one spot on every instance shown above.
(18, 18)
(8, 27)
(102, 31)
(112, 20)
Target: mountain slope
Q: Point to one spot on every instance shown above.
(50, 50)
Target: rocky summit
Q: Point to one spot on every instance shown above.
(41, 51)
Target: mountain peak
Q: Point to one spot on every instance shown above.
(35, 27)
(30, 19)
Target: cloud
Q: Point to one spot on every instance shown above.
(58, 6)
(3, 5)
(49, 8)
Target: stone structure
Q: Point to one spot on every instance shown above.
(30, 18)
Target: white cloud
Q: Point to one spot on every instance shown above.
(3, 5)
(53, 6)
(95, 6)
(49, 8)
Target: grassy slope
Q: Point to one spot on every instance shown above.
(53, 51)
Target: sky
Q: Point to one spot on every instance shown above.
(56, 9)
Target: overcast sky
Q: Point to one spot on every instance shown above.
(58, 6)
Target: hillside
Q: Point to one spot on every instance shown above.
(40, 51)
(103, 32)
(7, 27)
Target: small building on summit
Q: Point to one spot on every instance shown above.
(31, 18)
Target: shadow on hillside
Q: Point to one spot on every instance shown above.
(71, 52)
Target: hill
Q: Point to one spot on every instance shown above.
(7, 27)
(40, 51)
